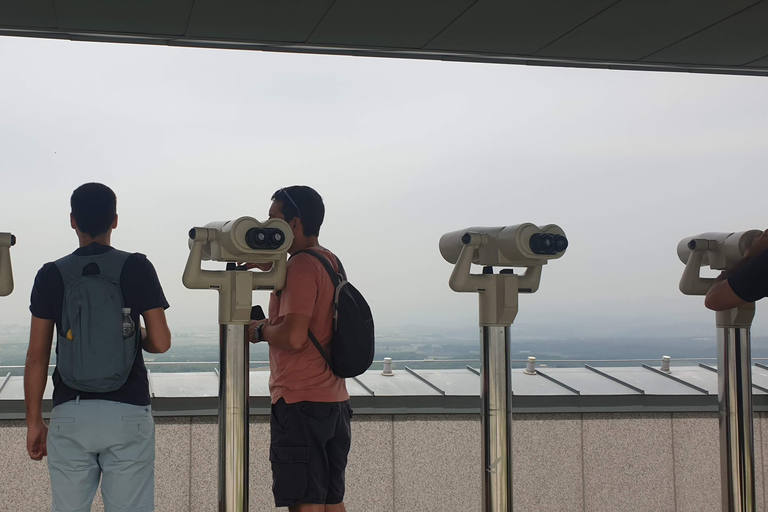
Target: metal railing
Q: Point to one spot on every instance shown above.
(428, 361)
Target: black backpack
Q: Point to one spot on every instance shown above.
(353, 338)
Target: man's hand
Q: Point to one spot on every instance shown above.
(252, 330)
(37, 435)
(757, 246)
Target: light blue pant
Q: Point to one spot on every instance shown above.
(92, 439)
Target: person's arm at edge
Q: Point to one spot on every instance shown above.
(290, 334)
(156, 337)
(722, 296)
(35, 379)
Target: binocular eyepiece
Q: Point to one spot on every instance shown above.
(546, 243)
(243, 240)
(264, 238)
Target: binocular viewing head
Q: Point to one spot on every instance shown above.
(522, 245)
(243, 240)
(7, 241)
(721, 250)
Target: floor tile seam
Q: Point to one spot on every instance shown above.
(392, 437)
(762, 455)
(757, 437)
(674, 459)
(189, 475)
(583, 463)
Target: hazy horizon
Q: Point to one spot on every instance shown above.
(402, 151)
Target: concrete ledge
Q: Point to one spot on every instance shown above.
(398, 405)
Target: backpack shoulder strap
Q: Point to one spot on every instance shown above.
(341, 267)
(335, 277)
(336, 280)
(68, 268)
(320, 348)
(110, 265)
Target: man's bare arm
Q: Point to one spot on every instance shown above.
(290, 334)
(721, 297)
(35, 379)
(156, 338)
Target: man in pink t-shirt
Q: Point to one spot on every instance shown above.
(310, 421)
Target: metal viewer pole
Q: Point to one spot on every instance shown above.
(233, 418)
(737, 464)
(496, 419)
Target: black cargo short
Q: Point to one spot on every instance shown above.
(309, 449)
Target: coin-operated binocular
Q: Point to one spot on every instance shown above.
(719, 251)
(7, 241)
(723, 251)
(523, 245)
(241, 240)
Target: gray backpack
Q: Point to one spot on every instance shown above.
(92, 354)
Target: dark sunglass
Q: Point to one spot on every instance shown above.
(286, 194)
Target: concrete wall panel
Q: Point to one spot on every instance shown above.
(437, 463)
(172, 464)
(547, 463)
(697, 462)
(204, 474)
(371, 468)
(628, 463)
(25, 482)
(259, 467)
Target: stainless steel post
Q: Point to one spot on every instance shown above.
(233, 418)
(737, 465)
(496, 412)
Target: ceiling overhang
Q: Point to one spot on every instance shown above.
(704, 36)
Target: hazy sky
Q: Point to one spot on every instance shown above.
(627, 162)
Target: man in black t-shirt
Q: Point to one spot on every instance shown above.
(748, 282)
(95, 436)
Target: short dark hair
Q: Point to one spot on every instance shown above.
(302, 202)
(94, 207)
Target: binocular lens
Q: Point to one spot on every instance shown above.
(545, 243)
(260, 238)
(541, 243)
(256, 238)
(13, 240)
(276, 237)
